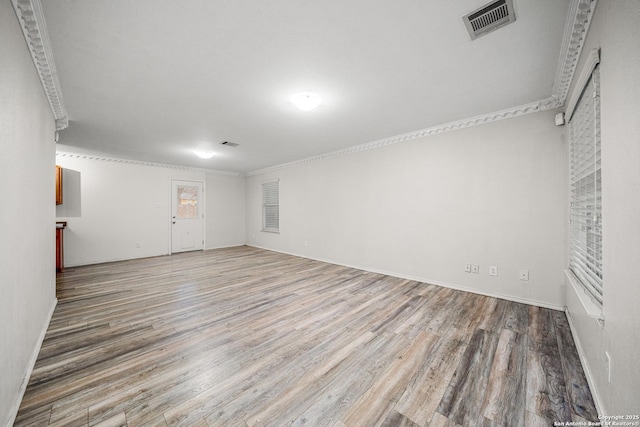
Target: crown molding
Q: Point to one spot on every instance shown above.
(141, 163)
(434, 130)
(34, 28)
(575, 33)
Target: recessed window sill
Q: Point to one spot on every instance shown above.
(591, 307)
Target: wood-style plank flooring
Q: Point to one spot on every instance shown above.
(248, 337)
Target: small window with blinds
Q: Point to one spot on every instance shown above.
(271, 206)
(586, 190)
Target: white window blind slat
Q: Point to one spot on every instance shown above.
(271, 206)
(586, 190)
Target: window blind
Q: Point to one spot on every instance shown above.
(586, 190)
(270, 206)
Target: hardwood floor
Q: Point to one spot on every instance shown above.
(247, 337)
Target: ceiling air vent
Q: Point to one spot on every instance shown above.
(229, 144)
(489, 17)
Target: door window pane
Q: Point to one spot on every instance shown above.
(187, 202)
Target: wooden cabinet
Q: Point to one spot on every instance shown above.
(60, 245)
(58, 185)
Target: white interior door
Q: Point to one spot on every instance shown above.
(187, 216)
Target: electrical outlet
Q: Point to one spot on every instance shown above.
(493, 270)
(467, 268)
(138, 245)
(524, 275)
(475, 269)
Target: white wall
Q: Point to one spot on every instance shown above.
(27, 217)
(616, 31)
(125, 204)
(225, 211)
(488, 195)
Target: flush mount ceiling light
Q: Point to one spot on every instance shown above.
(306, 101)
(204, 154)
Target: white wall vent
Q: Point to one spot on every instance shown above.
(489, 17)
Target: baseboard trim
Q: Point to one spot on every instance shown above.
(107, 261)
(89, 263)
(239, 245)
(425, 280)
(32, 363)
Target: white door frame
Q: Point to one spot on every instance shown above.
(172, 213)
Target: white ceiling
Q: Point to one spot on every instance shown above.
(152, 80)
